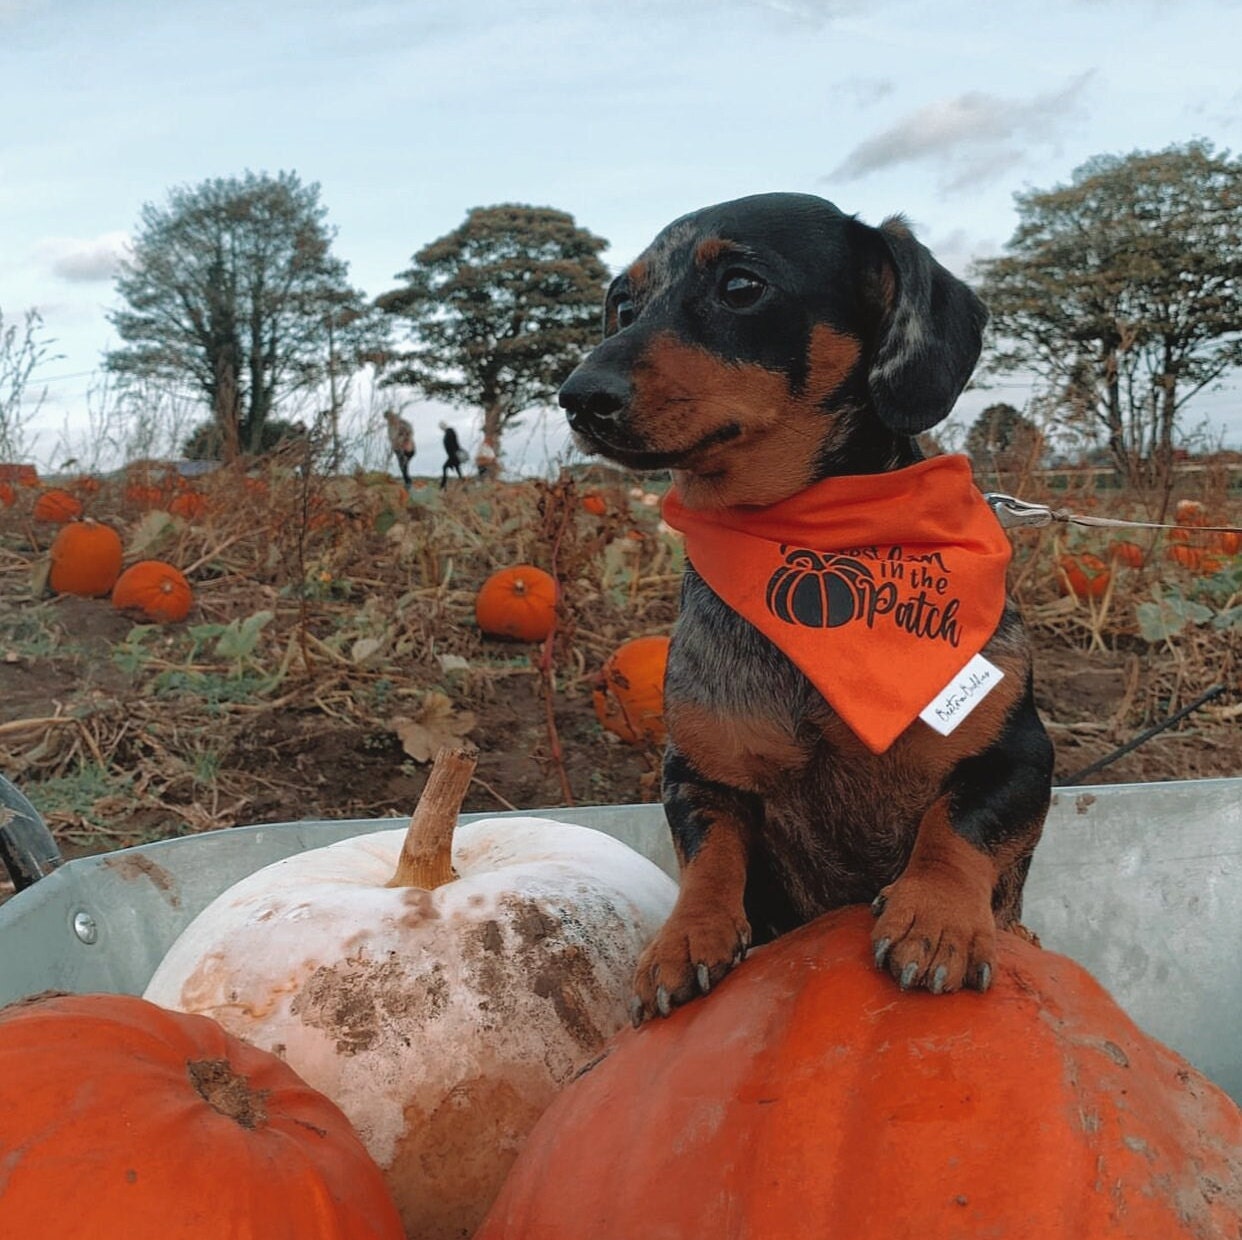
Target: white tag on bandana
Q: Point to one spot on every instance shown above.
(961, 695)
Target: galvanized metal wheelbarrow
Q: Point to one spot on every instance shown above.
(1140, 883)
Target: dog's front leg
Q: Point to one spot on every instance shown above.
(936, 925)
(707, 932)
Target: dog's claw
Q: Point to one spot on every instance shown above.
(881, 951)
(985, 977)
(878, 904)
(938, 979)
(663, 1002)
(636, 1011)
(908, 975)
(704, 975)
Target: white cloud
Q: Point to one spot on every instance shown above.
(975, 136)
(84, 260)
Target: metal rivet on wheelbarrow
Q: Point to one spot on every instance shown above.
(85, 926)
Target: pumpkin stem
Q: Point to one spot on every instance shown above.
(227, 1091)
(426, 859)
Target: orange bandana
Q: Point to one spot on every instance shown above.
(880, 588)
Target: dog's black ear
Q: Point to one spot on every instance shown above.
(930, 333)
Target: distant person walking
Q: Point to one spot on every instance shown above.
(401, 437)
(454, 454)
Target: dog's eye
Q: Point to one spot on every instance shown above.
(623, 310)
(740, 289)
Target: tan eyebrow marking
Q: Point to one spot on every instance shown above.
(708, 250)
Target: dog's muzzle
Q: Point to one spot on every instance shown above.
(594, 401)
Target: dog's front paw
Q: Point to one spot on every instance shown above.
(691, 953)
(932, 934)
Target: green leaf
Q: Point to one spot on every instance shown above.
(240, 638)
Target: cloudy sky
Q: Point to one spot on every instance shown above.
(625, 114)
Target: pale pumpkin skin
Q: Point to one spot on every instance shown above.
(441, 1022)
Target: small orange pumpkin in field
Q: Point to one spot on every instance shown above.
(1187, 556)
(629, 694)
(1229, 541)
(188, 504)
(143, 495)
(1190, 512)
(518, 603)
(8, 496)
(1128, 553)
(19, 475)
(156, 589)
(806, 1098)
(1083, 575)
(173, 1128)
(595, 504)
(86, 485)
(86, 559)
(57, 506)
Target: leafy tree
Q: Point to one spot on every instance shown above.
(232, 292)
(500, 310)
(1122, 291)
(1003, 439)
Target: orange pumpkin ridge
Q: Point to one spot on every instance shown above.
(155, 589)
(1083, 575)
(518, 603)
(628, 695)
(57, 506)
(86, 559)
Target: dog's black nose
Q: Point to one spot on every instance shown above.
(593, 396)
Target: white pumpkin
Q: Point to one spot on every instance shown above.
(442, 1018)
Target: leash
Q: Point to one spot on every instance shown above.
(1014, 513)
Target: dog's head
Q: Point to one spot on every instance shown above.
(762, 344)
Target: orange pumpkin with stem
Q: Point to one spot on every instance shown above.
(629, 695)
(518, 603)
(156, 589)
(1083, 575)
(86, 559)
(57, 506)
(805, 1098)
(121, 1118)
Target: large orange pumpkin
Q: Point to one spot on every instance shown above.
(806, 1098)
(1083, 575)
(86, 559)
(518, 603)
(57, 506)
(156, 589)
(8, 496)
(629, 694)
(120, 1118)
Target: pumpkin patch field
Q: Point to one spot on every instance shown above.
(283, 644)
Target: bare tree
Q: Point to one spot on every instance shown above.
(23, 350)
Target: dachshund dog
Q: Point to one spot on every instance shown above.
(775, 352)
